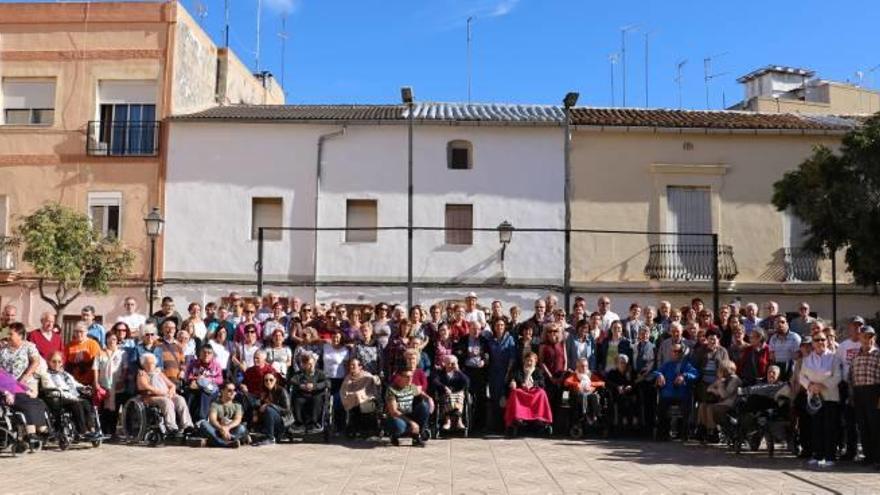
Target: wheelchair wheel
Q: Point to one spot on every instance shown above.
(134, 420)
(576, 431)
(96, 443)
(153, 438)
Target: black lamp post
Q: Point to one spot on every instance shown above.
(568, 102)
(153, 223)
(406, 96)
(505, 234)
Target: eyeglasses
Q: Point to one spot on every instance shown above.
(229, 390)
(248, 312)
(251, 331)
(818, 340)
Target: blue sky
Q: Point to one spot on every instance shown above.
(534, 51)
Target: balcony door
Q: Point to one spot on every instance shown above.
(128, 128)
(690, 211)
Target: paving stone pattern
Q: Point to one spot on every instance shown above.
(458, 466)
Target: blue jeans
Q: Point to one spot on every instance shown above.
(209, 431)
(272, 423)
(200, 403)
(398, 427)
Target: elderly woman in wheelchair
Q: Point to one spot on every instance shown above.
(21, 416)
(451, 386)
(63, 393)
(157, 390)
(359, 394)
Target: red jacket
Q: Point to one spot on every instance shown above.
(753, 363)
(47, 347)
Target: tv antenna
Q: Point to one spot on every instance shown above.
(623, 31)
(678, 78)
(282, 35)
(257, 52)
(469, 75)
(612, 59)
(708, 75)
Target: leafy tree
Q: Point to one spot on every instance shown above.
(64, 249)
(837, 195)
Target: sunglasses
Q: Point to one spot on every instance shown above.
(251, 331)
(818, 340)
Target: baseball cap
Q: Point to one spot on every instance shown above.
(806, 339)
(857, 319)
(868, 329)
(471, 295)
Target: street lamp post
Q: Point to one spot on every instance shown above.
(406, 95)
(505, 234)
(153, 223)
(569, 101)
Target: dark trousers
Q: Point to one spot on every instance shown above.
(81, 411)
(663, 419)
(865, 399)
(34, 410)
(825, 424)
(805, 424)
(272, 423)
(397, 427)
(199, 403)
(308, 409)
(647, 394)
(848, 414)
(478, 378)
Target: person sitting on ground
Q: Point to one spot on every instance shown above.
(452, 383)
(157, 390)
(307, 388)
(675, 379)
(584, 385)
(15, 395)
(251, 386)
(204, 378)
(406, 414)
(273, 414)
(527, 400)
(224, 426)
(73, 396)
(721, 395)
(358, 394)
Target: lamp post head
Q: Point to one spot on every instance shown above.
(406, 95)
(154, 223)
(505, 232)
(570, 99)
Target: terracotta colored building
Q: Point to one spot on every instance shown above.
(85, 90)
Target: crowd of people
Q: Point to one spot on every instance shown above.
(248, 369)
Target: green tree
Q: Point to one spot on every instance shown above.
(837, 195)
(63, 249)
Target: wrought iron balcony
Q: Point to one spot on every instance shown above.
(135, 138)
(689, 262)
(801, 265)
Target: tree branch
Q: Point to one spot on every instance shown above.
(43, 295)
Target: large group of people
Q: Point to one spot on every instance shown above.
(250, 368)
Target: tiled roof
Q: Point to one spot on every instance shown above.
(631, 117)
(528, 114)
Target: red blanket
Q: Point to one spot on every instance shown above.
(527, 405)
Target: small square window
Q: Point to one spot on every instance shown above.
(459, 155)
(266, 212)
(459, 217)
(361, 214)
(28, 101)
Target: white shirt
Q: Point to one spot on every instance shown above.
(609, 318)
(134, 321)
(846, 351)
(334, 360)
(478, 316)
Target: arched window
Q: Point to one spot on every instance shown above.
(460, 155)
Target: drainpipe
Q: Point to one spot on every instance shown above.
(321, 140)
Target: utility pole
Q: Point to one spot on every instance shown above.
(469, 20)
(259, 15)
(678, 78)
(708, 75)
(226, 24)
(647, 37)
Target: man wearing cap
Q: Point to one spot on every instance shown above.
(784, 346)
(846, 351)
(865, 379)
(473, 313)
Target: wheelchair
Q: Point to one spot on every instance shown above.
(143, 423)
(757, 418)
(436, 420)
(62, 429)
(326, 423)
(579, 422)
(374, 424)
(12, 432)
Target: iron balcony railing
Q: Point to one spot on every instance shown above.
(135, 138)
(801, 265)
(689, 262)
(8, 254)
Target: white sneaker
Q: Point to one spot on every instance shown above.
(823, 464)
(813, 462)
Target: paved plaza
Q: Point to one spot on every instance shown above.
(526, 466)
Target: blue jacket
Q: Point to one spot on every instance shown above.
(670, 370)
(572, 354)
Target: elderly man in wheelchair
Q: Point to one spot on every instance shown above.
(62, 393)
(761, 412)
(157, 390)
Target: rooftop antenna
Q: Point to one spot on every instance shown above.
(623, 31)
(647, 72)
(283, 36)
(612, 59)
(259, 16)
(708, 75)
(469, 38)
(201, 12)
(226, 23)
(678, 78)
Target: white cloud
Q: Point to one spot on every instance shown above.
(452, 14)
(283, 6)
(503, 8)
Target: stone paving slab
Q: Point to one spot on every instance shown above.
(530, 466)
